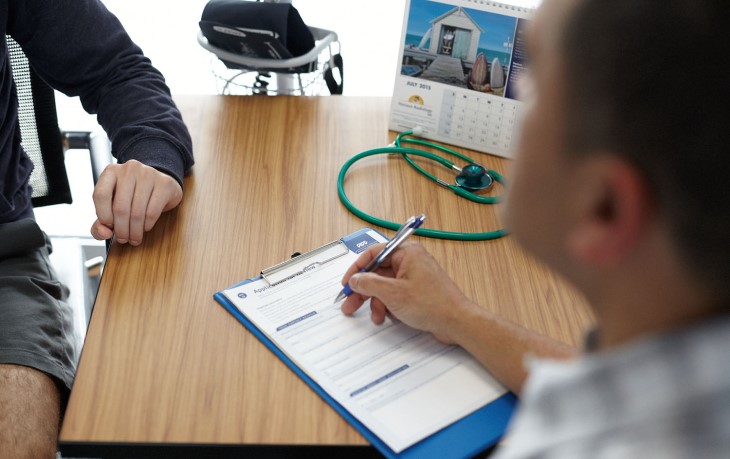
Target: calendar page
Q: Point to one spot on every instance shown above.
(458, 64)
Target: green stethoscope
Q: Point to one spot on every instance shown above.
(472, 177)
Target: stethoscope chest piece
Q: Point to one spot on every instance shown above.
(474, 177)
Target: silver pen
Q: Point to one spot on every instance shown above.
(408, 228)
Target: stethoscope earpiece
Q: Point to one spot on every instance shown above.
(474, 177)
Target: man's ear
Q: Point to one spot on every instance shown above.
(613, 212)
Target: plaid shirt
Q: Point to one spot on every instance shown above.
(667, 396)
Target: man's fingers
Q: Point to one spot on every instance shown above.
(155, 206)
(381, 289)
(121, 206)
(100, 231)
(378, 311)
(103, 195)
(165, 196)
(138, 210)
(362, 261)
(352, 303)
(173, 193)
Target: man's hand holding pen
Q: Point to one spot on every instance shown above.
(397, 287)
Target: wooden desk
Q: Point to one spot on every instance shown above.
(165, 364)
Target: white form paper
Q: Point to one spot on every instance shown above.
(401, 383)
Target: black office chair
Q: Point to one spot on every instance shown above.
(42, 139)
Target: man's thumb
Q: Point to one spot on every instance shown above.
(370, 284)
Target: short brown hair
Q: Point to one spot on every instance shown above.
(650, 80)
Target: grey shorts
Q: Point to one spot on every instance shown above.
(36, 322)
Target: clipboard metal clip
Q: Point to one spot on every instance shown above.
(300, 264)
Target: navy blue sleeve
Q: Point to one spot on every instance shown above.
(81, 49)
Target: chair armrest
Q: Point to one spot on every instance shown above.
(98, 144)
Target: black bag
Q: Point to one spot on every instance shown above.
(259, 30)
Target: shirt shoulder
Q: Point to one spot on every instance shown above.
(665, 396)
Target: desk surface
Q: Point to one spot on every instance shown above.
(164, 363)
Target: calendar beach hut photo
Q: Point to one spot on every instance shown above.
(458, 46)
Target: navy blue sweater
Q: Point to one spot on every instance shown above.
(81, 49)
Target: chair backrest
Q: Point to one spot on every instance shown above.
(39, 131)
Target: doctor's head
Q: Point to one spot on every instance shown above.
(624, 162)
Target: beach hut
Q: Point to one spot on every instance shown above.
(457, 35)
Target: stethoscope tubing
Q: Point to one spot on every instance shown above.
(404, 151)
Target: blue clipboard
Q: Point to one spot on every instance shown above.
(466, 437)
